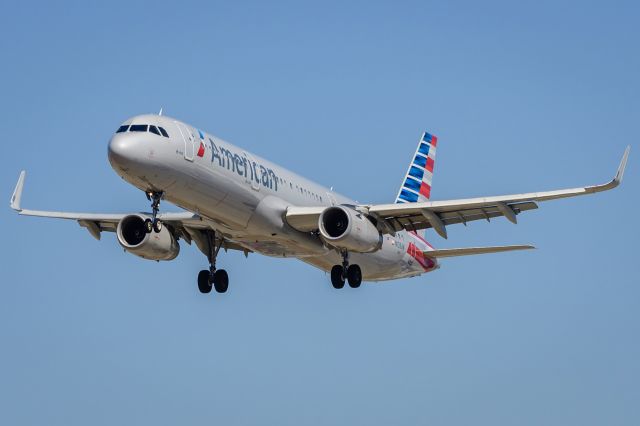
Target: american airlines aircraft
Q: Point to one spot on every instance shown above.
(238, 201)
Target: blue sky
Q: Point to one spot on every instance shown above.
(522, 98)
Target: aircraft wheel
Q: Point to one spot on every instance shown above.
(148, 225)
(354, 275)
(157, 226)
(221, 281)
(203, 282)
(337, 278)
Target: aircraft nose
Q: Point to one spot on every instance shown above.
(121, 151)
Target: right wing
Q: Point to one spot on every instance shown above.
(438, 214)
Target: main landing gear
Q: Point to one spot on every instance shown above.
(213, 278)
(350, 273)
(154, 223)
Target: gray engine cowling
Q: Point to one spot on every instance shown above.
(345, 228)
(133, 237)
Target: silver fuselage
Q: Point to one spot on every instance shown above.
(245, 197)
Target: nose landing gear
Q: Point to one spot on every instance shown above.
(154, 224)
(213, 278)
(346, 272)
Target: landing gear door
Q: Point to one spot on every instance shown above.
(189, 141)
(253, 175)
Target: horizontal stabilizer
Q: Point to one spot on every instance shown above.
(467, 251)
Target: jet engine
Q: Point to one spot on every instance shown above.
(133, 237)
(346, 228)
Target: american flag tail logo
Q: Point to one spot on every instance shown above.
(416, 186)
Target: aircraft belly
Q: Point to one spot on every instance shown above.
(385, 264)
(381, 265)
(275, 248)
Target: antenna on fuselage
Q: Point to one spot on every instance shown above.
(160, 113)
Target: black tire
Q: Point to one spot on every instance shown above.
(354, 275)
(203, 281)
(148, 226)
(221, 281)
(337, 278)
(157, 227)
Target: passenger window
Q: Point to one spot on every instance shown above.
(154, 129)
(138, 128)
(163, 131)
(122, 129)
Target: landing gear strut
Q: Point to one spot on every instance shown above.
(351, 273)
(154, 223)
(213, 278)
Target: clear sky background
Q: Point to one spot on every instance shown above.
(522, 97)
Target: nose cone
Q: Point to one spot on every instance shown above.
(121, 152)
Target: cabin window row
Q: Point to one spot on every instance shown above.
(308, 193)
(302, 190)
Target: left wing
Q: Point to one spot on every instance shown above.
(185, 225)
(438, 214)
(98, 222)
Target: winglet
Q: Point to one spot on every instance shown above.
(621, 167)
(17, 193)
(617, 179)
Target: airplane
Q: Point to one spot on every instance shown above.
(235, 200)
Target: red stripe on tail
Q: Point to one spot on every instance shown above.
(425, 189)
(430, 163)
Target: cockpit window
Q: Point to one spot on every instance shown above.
(143, 128)
(138, 128)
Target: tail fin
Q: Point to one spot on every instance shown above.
(416, 186)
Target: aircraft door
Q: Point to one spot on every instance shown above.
(331, 199)
(189, 141)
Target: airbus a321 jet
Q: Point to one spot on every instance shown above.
(238, 201)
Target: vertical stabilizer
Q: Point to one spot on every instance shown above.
(416, 186)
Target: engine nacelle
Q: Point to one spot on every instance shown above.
(346, 228)
(133, 237)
